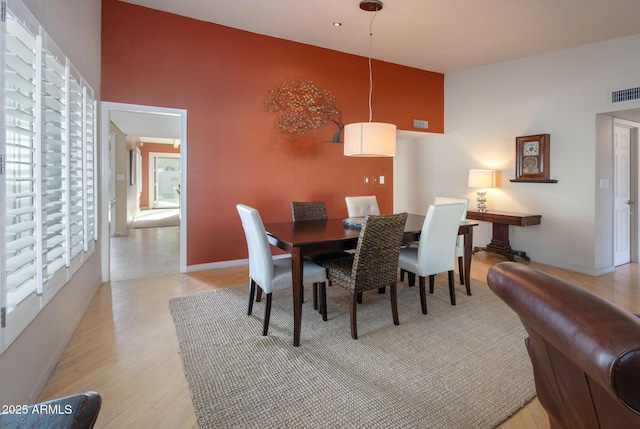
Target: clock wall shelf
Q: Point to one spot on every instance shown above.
(533, 180)
(533, 159)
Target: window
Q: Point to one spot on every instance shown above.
(47, 169)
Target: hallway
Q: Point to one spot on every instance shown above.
(145, 252)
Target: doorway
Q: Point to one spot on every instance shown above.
(625, 187)
(164, 180)
(625, 190)
(145, 121)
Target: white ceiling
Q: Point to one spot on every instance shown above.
(147, 126)
(436, 35)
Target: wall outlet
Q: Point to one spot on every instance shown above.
(367, 180)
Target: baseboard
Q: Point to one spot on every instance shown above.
(224, 264)
(582, 270)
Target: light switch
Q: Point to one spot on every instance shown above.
(120, 177)
(367, 180)
(604, 183)
(381, 181)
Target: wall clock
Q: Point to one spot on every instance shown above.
(532, 159)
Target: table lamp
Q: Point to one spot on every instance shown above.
(481, 179)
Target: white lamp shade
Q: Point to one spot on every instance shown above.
(481, 179)
(370, 139)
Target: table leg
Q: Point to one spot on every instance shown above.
(468, 242)
(500, 243)
(296, 279)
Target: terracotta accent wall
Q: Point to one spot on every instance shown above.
(222, 76)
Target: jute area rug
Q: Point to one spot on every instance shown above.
(462, 366)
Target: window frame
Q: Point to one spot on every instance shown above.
(64, 122)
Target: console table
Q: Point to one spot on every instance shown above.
(501, 221)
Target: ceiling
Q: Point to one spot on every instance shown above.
(435, 35)
(150, 127)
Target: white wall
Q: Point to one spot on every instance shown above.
(486, 108)
(27, 363)
(75, 27)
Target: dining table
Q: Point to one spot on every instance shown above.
(317, 237)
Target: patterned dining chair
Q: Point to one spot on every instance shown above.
(308, 210)
(436, 249)
(374, 265)
(265, 272)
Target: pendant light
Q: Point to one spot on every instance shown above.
(370, 139)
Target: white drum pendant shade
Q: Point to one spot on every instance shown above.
(369, 139)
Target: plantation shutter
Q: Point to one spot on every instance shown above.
(48, 169)
(90, 168)
(76, 174)
(21, 175)
(55, 163)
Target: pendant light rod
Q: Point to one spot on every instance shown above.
(373, 15)
(370, 139)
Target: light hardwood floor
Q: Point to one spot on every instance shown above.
(125, 347)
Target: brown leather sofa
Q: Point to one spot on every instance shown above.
(585, 351)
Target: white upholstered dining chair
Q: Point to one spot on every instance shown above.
(265, 272)
(436, 249)
(362, 206)
(460, 241)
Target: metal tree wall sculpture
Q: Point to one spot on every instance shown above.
(304, 107)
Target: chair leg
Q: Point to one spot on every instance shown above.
(354, 327)
(412, 278)
(267, 315)
(402, 274)
(323, 300)
(423, 295)
(461, 269)
(315, 296)
(394, 304)
(259, 294)
(359, 297)
(452, 291)
(432, 278)
(382, 290)
(252, 293)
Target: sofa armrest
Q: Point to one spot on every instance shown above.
(599, 337)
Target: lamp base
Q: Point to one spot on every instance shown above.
(481, 199)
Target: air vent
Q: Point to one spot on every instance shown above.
(625, 95)
(420, 123)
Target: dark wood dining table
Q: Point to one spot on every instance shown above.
(316, 237)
